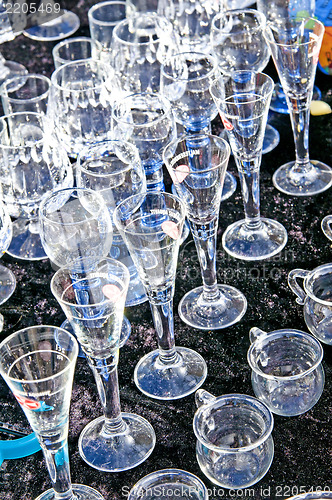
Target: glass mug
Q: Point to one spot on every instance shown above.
(234, 439)
(316, 298)
(287, 373)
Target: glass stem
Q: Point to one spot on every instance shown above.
(105, 371)
(205, 237)
(57, 460)
(300, 115)
(163, 320)
(249, 180)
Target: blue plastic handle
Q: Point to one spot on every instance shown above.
(19, 448)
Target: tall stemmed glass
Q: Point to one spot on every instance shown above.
(151, 224)
(243, 101)
(146, 120)
(33, 164)
(114, 169)
(197, 165)
(38, 365)
(295, 47)
(185, 80)
(7, 278)
(238, 43)
(115, 441)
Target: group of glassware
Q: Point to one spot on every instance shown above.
(114, 105)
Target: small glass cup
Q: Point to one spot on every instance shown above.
(75, 49)
(169, 483)
(287, 373)
(234, 439)
(316, 298)
(25, 93)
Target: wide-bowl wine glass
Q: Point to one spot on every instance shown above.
(38, 364)
(295, 48)
(238, 43)
(147, 121)
(7, 278)
(80, 103)
(151, 224)
(114, 169)
(197, 165)
(93, 300)
(243, 101)
(33, 164)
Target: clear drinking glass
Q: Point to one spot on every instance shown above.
(238, 43)
(38, 365)
(93, 300)
(197, 165)
(146, 120)
(7, 278)
(295, 47)
(243, 101)
(25, 93)
(151, 224)
(75, 49)
(33, 164)
(114, 169)
(80, 103)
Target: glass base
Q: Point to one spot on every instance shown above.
(267, 240)
(279, 103)
(56, 29)
(170, 381)
(7, 284)
(8, 69)
(306, 183)
(271, 139)
(117, 452)
(125, 333)
(80, 492)
(226, 311)
(25, 245)
(229, 186)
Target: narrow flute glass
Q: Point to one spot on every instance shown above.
(295, 48)
(93, 299)
(151, 224)
(243, 101)
(197, 165)
(38, 365)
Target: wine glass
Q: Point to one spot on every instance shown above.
(114, 169)
(93, 300)
(197, 165)
(295, 47)
(185, 79)
(238, 43)
(243, 100)
(38, 364)
(33, 164)
(151, 225)
(7, 278)
(146, 120)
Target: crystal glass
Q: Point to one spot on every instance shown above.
(238, 43)
(8, 68)
(151, 225)
(93, 300)
(33, 164)
(295, 47)
(243, 101)
(38, 365)
(25, 93)
(80, 103)
(7, 278)
(286, 370)
(234, 439)
(114, 169)
(146, 120)
(75, 49)
(140, 45)
(197, 165)
(191, 20)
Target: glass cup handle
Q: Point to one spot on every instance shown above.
(295, 287)
(255, 334)
(203, 397)
(326, 226)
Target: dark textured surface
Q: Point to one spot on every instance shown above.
(303, 445)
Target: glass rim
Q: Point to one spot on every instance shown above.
(187, 55)
(40, 327)
(270, 26)
(213, 86)
(71, 41)
(140, 95)
(279, 334)
(4, 90)
(107, 71)
(127, 21)
(228, 13)
(101, 5)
